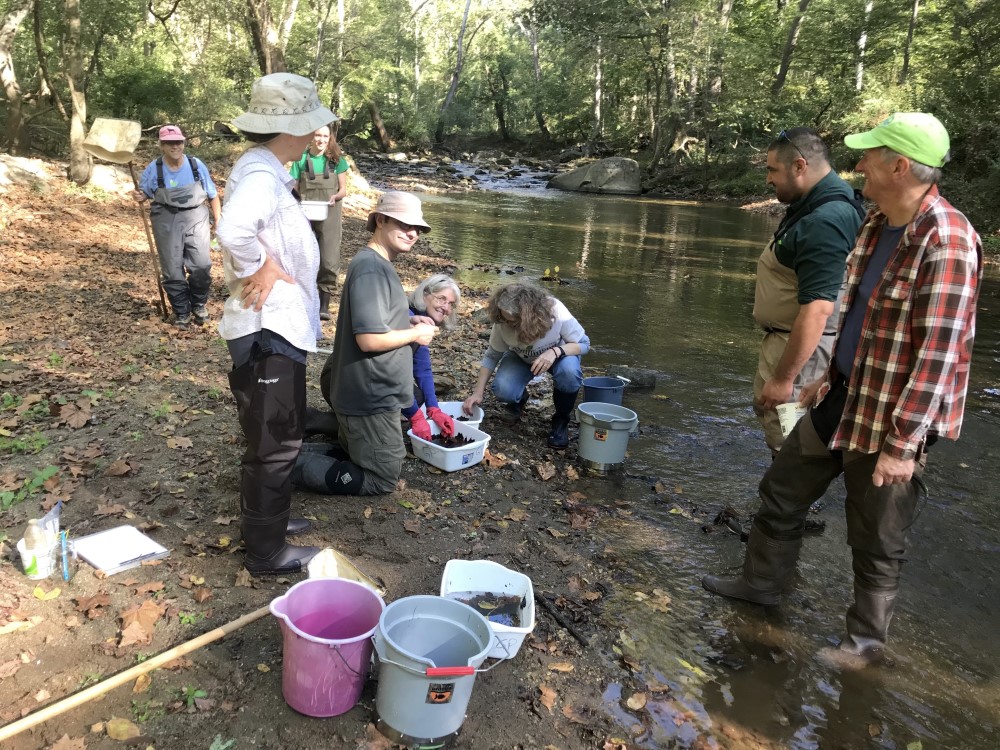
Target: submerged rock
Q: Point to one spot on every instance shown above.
(615, 175)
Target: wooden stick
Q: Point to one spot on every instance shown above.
(157, 275)
(84, 696)
(557, 616)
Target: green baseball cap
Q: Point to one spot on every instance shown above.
(916, 135)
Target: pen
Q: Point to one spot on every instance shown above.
(65, 558)
(138, 559)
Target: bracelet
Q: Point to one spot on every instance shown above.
(562, 352)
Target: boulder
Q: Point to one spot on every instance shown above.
(615, 176)
(638, 377)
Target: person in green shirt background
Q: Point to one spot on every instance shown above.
(322, 176)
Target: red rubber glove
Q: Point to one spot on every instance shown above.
(442, 420)
(419, 425)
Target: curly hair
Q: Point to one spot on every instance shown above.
(524, 308)
(435, 285)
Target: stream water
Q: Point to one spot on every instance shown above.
(669, 286)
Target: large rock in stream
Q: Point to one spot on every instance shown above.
(615, 175)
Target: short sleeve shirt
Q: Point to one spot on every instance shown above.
(318, 163)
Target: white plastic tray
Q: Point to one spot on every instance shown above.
(451, 459)
(454, 410)
(487, 576)
(316, 210)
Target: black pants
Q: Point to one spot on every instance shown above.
(270, 392)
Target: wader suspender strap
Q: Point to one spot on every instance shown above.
(159, 171)
(311, 172)
(857, 201)
(262, 347)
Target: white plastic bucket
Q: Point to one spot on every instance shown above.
(316, 210)
(429, 650)
(454, 410)
(451, 459)
(604, 433)
(482, 576)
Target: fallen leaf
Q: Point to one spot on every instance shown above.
(109, 510)
(69, 743)
(517, 514)
(572, 473)
(570, 714)
(412, 525)
(92, 604)
(655, 686)
(11, 627)
(368, 512)
(197, 580)
(591, 596)
(119, 468)
(545, 471)
(637, 701)
(142, 683)
(561, 666)
(179, 443)
(149, 588)
(9, 668)
(243, 578)
(75, 415)
(692, 668)
(556, 533)
(44, 595)
(121, 729)
(494, 460)
(42, 695)
(138, 623)
(874, 730)
(226, 520)
(263, 668)
(202, 594)
(204, 704)
(548, 698)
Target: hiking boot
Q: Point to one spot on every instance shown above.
(182, 322)
(200, 315)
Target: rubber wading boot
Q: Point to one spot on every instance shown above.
(327, 475)
(324, 305)
(297, 526)
(564, 402)
(321, 422)
(511, 412)
(766, 567)
(267, 552)
(867, 631)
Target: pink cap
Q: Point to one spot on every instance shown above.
(171, 133)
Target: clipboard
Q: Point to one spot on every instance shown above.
(118, 549)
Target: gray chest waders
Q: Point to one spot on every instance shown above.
(319, 187)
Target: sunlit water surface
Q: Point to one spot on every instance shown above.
(669, 286)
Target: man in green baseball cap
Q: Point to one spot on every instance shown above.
(897, 384)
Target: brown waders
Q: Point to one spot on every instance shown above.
(319, 187)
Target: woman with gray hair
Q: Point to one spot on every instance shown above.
(436, 297)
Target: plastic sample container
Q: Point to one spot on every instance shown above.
(451, 459)
(604, 434)
(454, 410)
(604, 390)
(316, 210)
(486, 576)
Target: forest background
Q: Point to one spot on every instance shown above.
(693, 89)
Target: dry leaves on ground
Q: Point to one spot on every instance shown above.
(138, 623)
(548, 696)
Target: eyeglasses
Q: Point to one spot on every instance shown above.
(407, 227)
(442, 300)
(783, 136)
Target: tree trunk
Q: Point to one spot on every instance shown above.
(859, 74)
(905, 71)
(341, 104)
(80, 163)
(532, 33)
(455, 75)
(790, 42)
(384, 140)
(719, 48)
(8, 76)
(269, 39)
(595, 128)
(45, 89)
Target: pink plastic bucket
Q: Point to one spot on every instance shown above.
(327, 626)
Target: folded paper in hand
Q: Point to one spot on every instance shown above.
(118, 549)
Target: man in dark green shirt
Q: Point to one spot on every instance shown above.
(800, 272)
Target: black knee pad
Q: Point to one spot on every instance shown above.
(345, 478)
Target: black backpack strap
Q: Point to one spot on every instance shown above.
(159, 173)
(194, 168)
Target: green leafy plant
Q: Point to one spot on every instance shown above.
(31, 485)
(33, 443)
(190, 694)
(130, 369)
(219, 744)
(9, 401)
(143, 711)
(190, 618)
(162, 410)
(90, 678)
(214, 393)
(55, 359)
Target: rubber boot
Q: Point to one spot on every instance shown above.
(324, 305)
(512, 411)
(297, 526)
(564, 402)
(321, 422)
(867, 631)
(267, 552)
(766, 567)
(327, 475)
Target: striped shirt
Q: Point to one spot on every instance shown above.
(911, 367)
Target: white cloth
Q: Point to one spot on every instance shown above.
(565, 329)
(260, 215)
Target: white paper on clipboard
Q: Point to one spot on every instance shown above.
(118, 549)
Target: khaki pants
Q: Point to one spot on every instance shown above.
(771, 349)
(375, 443)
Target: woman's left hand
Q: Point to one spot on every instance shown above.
(543, 362)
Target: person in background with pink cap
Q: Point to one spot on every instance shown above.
(179, 188)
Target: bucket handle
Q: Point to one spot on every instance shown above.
(625, 381)
(350, 669)
(439, 671)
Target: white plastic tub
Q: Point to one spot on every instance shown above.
(451, 459)
(316, 210)
(454, 410)
(485, 576)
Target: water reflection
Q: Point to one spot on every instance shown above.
(669, 286)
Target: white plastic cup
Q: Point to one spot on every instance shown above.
(38, 562)
(788, 415)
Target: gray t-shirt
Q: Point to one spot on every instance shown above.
(362, 383)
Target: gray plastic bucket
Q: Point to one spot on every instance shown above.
(604, 433)
(604, 390)
(429, 649)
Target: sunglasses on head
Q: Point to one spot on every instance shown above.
(783, 136)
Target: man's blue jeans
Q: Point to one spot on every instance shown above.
(513, 374)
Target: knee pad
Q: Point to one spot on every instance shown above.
(344, 478)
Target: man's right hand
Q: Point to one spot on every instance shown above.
(423, 334)
(138, 196)
(812, 394)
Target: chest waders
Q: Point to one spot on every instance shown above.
(179, 216)
(319, 187)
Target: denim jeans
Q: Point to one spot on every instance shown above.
(513, 374)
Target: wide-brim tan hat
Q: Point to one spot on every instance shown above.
(404, 207)
(284, 103)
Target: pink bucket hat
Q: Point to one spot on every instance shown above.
(404, 207)
(171, 133)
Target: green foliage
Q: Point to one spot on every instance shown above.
(136, 87)
(34, 442)
(190, 618)
(219, 744)
(31, 486)
(189, 694)
(147, 710)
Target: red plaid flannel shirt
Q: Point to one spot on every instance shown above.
(911, 369)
